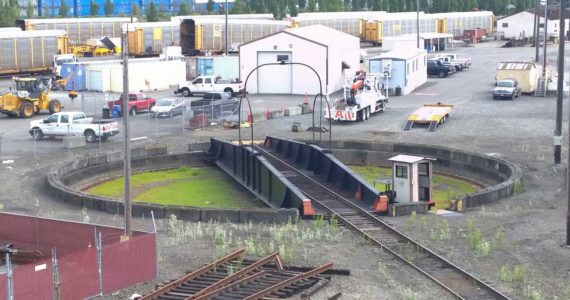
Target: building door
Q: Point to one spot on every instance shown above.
(274, 79)
(402, 182)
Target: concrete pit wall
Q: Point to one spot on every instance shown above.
(64, 182)
(500, 176)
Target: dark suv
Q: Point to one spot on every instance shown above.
(436, 67)
(215, 104)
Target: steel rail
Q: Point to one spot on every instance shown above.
(235, 276)
(469, 278)
(289, 281)
(168, 287)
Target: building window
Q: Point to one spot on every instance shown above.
(402, 172)
(505, 25)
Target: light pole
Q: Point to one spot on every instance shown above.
(544, 46)
(226, 30)
(560, 86)
(536, 29)
(127, 146)
(418, 23)
(281, 63)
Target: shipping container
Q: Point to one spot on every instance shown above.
(30, 52)
(191, 68)
(99, 79)
(144, 74)
(205, 66)
(148, 39)
(199, 35)
(75, 73)
(226, 66)
(79, 30)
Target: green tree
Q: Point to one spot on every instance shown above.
(312, 6)
(240, 7)
(136, 10)
(93, 8)
(183, 9)
(9, 12)
(293, 8)
(108, 8)
(302, 4)
(63, 9)
(210, 6)
(274, 8)
(323, 5)
(30, 8)
(375, 5)
(152, 13)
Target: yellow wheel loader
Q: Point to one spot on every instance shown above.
(28, 96)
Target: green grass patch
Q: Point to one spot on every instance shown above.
(445, 188)
(202, 193)
(185, 186)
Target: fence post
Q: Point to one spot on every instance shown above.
(99, 259)
(155, 242)
(55, 275)
(34, 138)
(1, 136)
(10, 287)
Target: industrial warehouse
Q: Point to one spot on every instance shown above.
(325, 150)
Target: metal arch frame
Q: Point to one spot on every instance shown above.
(320, 94)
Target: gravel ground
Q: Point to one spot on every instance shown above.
(525, 233)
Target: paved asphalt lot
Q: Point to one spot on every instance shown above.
(469, 91)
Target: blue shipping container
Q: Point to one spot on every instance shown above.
(76, 74)
(205, 66)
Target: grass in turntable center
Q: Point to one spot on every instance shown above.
(185, 186)
(445, 188)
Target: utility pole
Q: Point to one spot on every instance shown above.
(545, 38)
(536, 29)
(127, 148)
(226, 30)
(560, 86)
(418, 23)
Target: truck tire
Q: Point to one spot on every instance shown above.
(54, 106)
(230, 91)
(186, 92)
(133, 111)
(26, 109)
(90, 136)
(442, 74)
(37, 134)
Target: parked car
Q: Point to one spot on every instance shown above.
(507, 88)
(73, 123)
(137, 102)
(436, 67)
(168, 108)
(214, 104)
(207, 84)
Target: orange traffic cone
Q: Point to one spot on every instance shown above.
(308, 208)
(358, 194)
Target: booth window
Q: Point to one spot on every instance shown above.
(401, 171)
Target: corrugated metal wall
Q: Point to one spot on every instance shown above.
(78, 33)
(213, 34)
(24, 53)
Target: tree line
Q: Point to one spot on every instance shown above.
(10, 11)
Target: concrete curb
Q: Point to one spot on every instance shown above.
(501, 176)
(62, 179)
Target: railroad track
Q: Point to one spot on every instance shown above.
(455, 280)
(233, 277)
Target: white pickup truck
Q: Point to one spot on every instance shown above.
(73, 123)
(208, 84)
(362, 99)
(452, 58)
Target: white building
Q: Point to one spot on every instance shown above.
(521, 25)
(407, 68)
(324, 49)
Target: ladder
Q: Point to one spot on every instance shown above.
(540, 87)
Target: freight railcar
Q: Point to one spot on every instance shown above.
(148, 39)
(179, 19)
(397, 24)
(197, 35)
(10, 29)
(347, 22)
(79, 30)
(30, 51)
